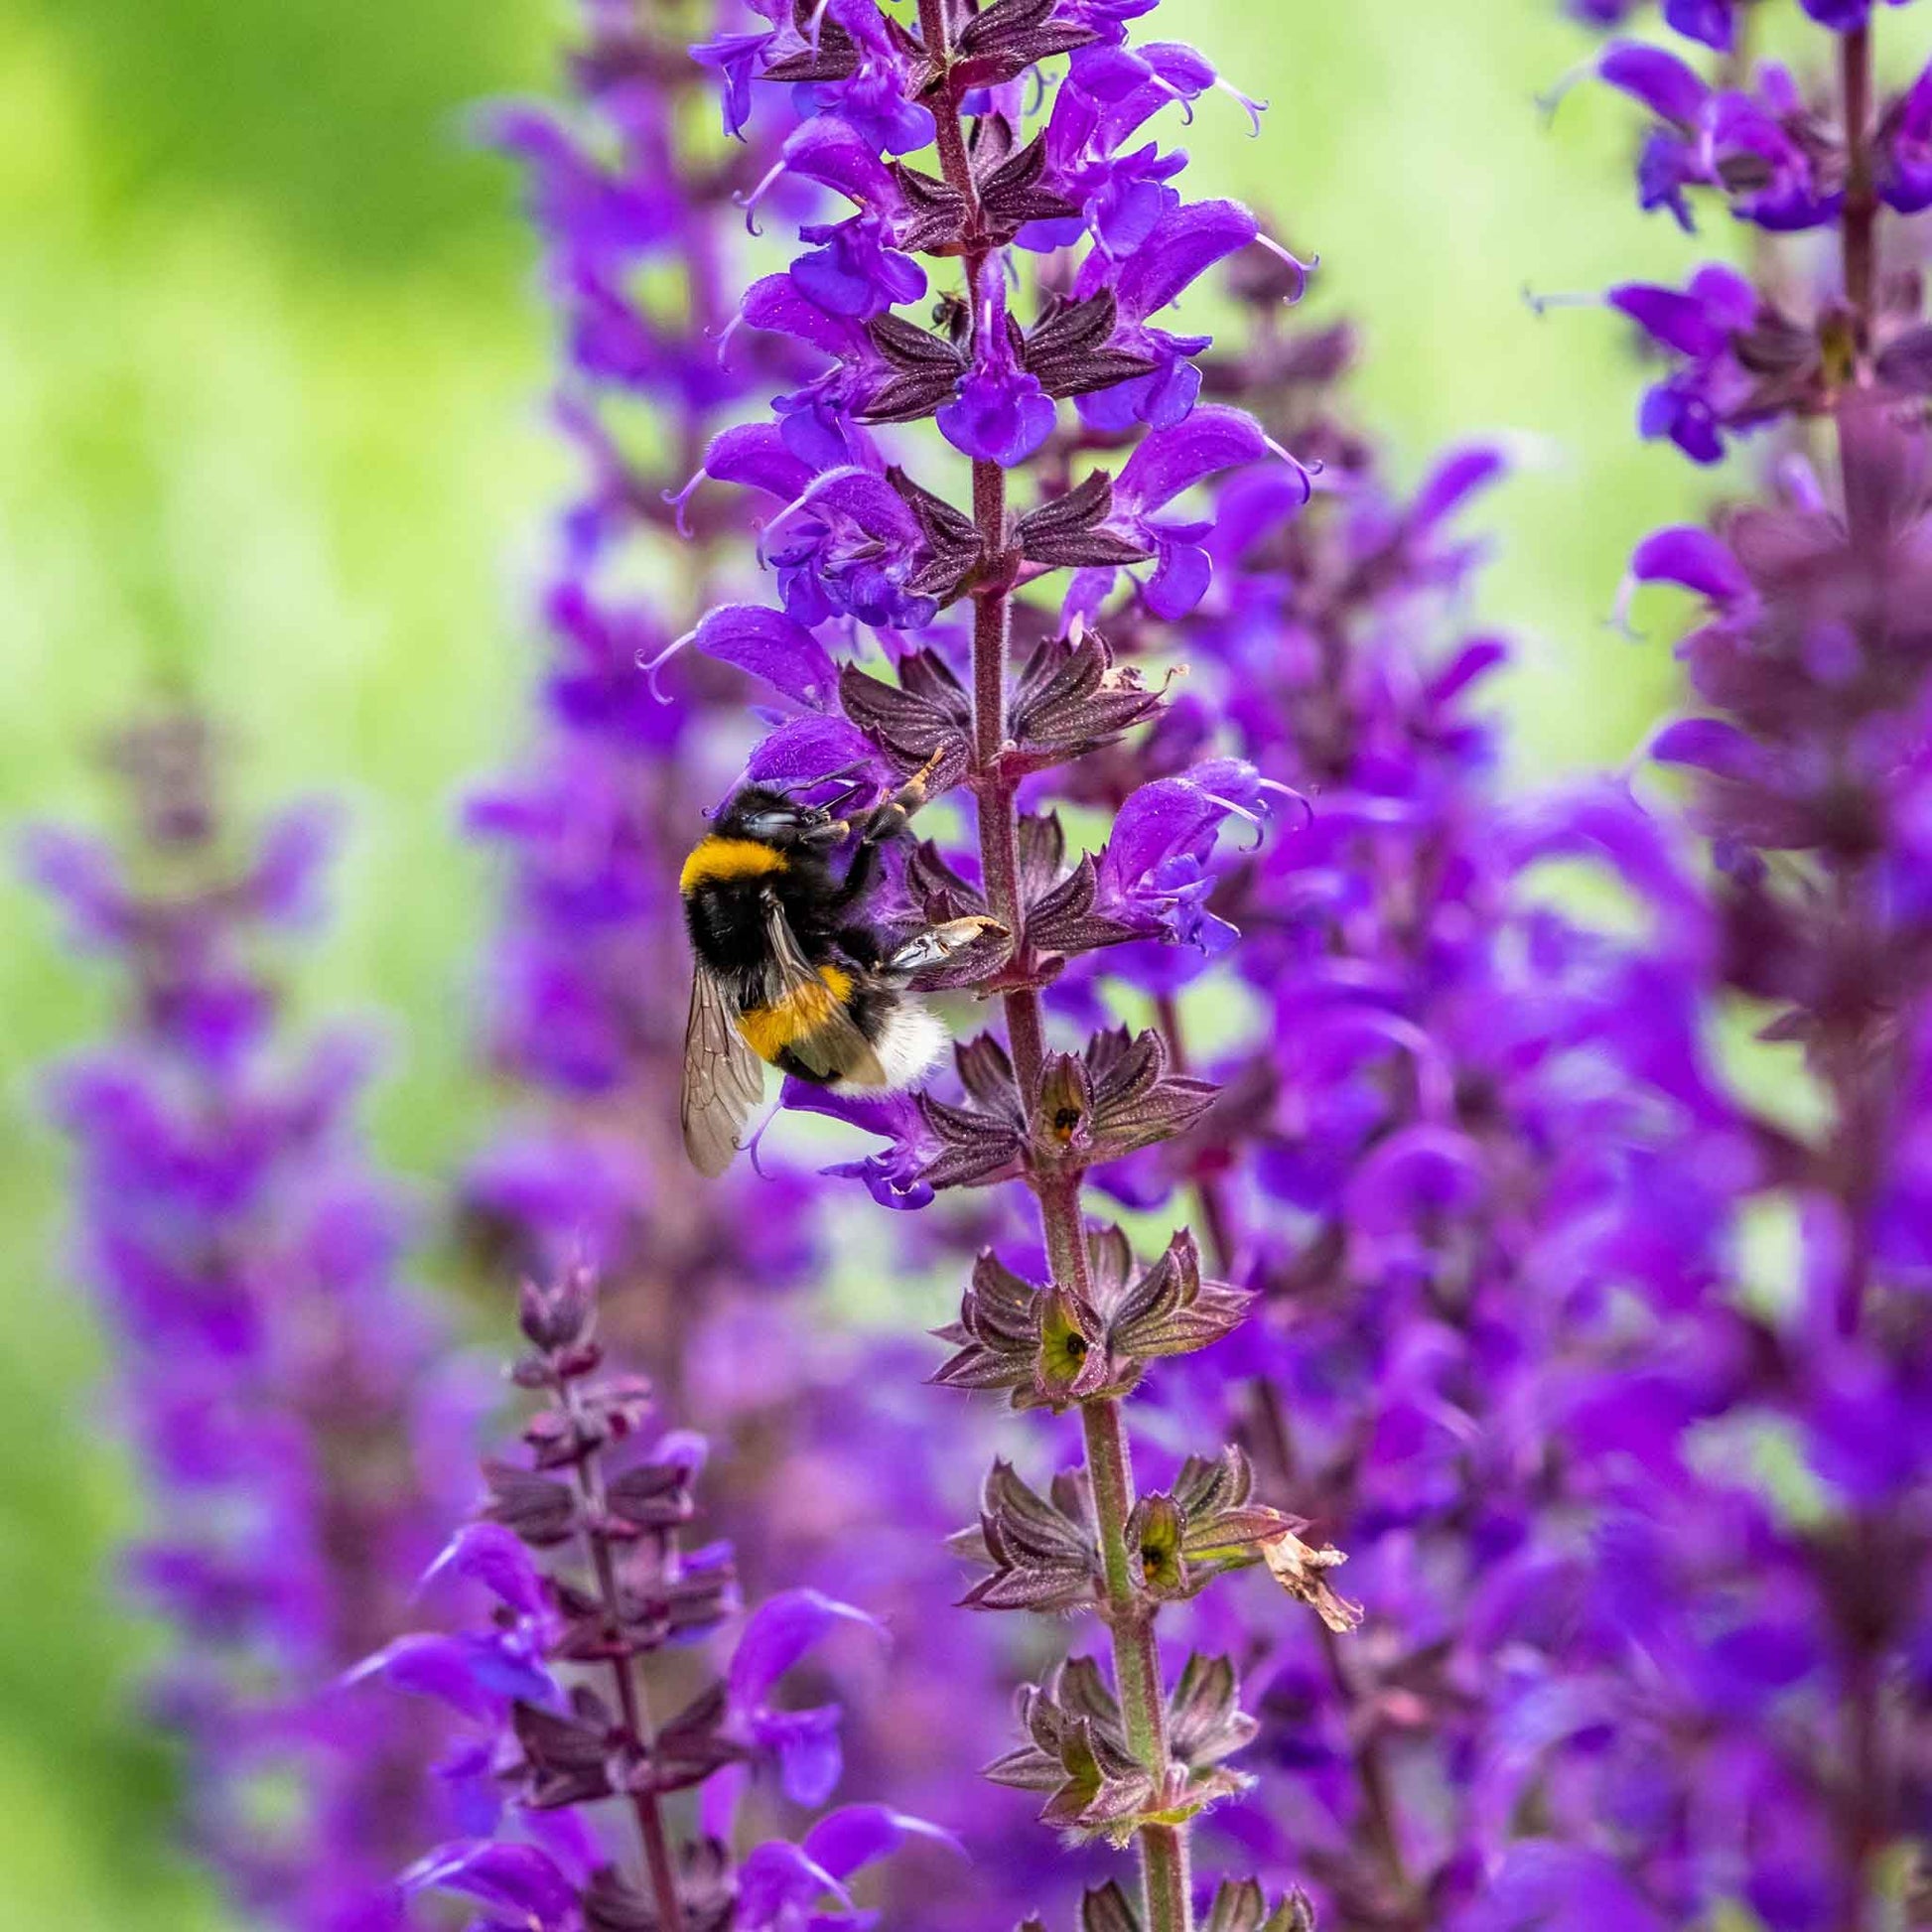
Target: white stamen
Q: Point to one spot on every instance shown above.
(750, 203)
(1307, 472)
(1256, 108)
(1552, 98)
(679, 499)
(651, 666)
(726, 334)
(804, 496)
(1300, 799)
(1303, 269)
(750, 1147)
(1237, 811)
(1619, 618)
(1542, 303)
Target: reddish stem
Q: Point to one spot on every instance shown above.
(633, 1707)
(1137, 1662)
(1861, 217)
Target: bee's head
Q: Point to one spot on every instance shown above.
(768, 816)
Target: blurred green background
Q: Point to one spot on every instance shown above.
(270, 370)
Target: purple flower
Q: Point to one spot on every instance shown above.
(1167, 465)
(1764, 152)
(999, 413)
(805, 1742)
(1179, 247)
(582, 1560)
(1904, 150)
(780, 1882)
(1714, 22)
(1155, 875)
(1843, 16)
(850, 546)
(1712, 391)
(521, 1881)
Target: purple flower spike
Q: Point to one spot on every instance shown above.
(582, 1547)
(1780, 882)
(683, 320)
(275, 1376)
(1054, 249)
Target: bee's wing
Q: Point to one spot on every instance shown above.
(723, 1079)
(825, 1041)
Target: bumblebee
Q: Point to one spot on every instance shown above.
(788, 970)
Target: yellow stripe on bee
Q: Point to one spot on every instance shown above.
(769, 1030)
(729, 859)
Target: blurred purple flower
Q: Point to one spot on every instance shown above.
(279, 1382)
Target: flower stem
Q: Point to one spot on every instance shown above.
(1861, 218)
(632, 1706)
(1137, 1661)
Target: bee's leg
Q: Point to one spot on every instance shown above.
(888, 820)
(885, 822)
(938, 943)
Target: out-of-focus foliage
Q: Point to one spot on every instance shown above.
(268, 432)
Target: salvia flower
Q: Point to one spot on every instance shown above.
(662, 389)
(1405, 1137)
(1052, 251)
(1749, 1481)
(582, 1572)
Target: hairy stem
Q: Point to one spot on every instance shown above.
(631, 1704)
(1137, 1662)
(1861, 218)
